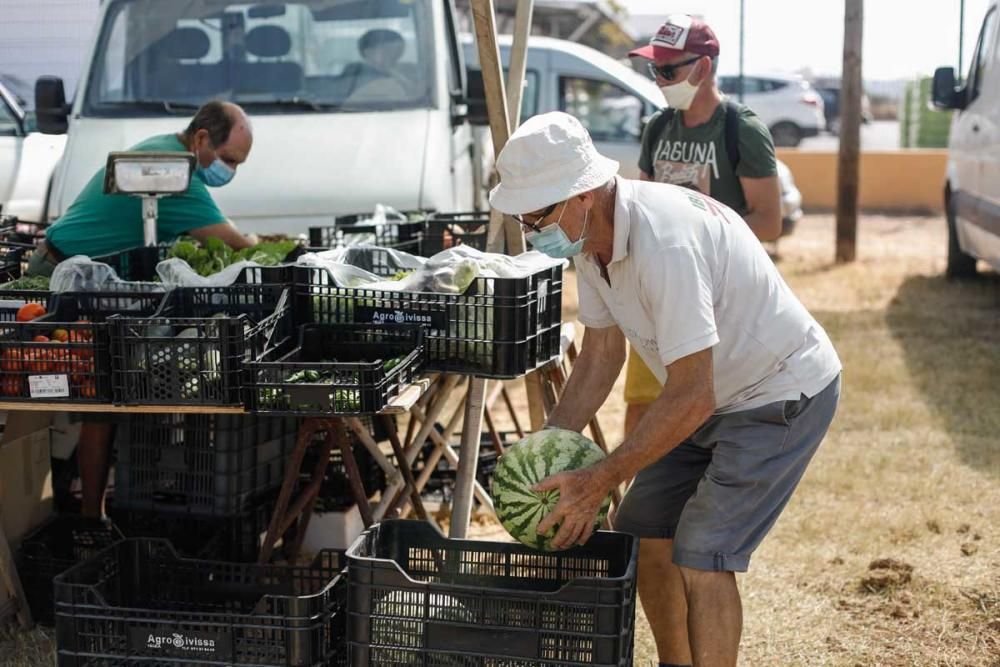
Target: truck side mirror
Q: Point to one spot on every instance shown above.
(50, 105)
(944, 94)
(476, 98)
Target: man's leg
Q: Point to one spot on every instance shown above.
(715, 617)
(661, 592)
(651, 510)
(92, 457)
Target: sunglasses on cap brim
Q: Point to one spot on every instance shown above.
(669, 72)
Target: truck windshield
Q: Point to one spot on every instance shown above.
(161, 57)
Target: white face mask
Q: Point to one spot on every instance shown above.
(680, 95)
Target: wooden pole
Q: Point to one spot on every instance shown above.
(484, 22)
(514, 234)
(850, 133)
(518, 61)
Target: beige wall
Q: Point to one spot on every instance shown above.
(906, 180)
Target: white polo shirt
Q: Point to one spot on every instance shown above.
(687, 274)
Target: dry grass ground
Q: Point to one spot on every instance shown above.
(908, 480)
(910, 470)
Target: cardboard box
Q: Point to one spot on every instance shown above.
(25, 484)
(333, 530)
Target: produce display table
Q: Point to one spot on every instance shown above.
(336, 436)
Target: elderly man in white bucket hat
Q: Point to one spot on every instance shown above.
(750, 380)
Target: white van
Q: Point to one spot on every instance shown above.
(972, 186)
(332, 134)
(27, 159)
(611, 100)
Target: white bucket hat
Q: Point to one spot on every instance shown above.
(547, 160)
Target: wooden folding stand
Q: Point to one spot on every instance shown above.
(298, 512)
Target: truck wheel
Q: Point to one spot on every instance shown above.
(960, 265)
(786, 134)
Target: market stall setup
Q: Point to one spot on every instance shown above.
(254, 388)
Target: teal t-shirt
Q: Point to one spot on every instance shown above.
(99, 224)
(696, 157)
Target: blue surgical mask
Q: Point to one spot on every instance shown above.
(552, 240)
(216, 174)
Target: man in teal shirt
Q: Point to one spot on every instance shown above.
(98, 224)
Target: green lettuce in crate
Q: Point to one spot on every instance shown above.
(30, 283)
(213, 255)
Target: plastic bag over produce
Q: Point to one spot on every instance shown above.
(176, 272)
(82, 274)
(450, 271)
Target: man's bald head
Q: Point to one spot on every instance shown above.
(220, 129)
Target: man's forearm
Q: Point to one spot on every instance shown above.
(766, 225)
(677, 413)
(594, 374)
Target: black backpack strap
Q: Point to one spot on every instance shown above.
(661, 122)
(732, 135)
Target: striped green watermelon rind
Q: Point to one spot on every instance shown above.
(531, 460)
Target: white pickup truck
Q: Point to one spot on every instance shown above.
(334, 131)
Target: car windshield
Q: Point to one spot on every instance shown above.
(159, 57)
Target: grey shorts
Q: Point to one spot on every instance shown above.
(717, 494)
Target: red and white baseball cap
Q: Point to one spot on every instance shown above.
(680, 33)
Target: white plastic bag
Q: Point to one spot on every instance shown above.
(82, 274)
(175, 272)
(450, 271)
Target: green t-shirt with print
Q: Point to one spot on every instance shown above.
(99, 224)
(696, 157)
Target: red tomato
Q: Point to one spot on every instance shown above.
(30, 311)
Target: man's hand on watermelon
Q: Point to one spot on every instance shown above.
(581, 493)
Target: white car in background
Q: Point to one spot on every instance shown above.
(611, 100)
(27, 157)
(789, 105)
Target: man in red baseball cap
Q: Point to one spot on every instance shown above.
(711, 144)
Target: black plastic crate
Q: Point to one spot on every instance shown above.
(14, 258)
(136, 263)
(12, 300)
(140, 264)
(499, 328)
(139, 603)
(417, 598)
(447, 230)
(78, 370)
(201, 465)
(396, 234)
(351, 370)
(235, 538)
(195, 348)
(51, 549)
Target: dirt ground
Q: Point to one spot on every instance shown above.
(889, 553)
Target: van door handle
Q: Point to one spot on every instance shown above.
(975, 128)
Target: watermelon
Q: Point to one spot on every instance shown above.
(528, 462)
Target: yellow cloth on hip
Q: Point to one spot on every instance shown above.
(641, 386)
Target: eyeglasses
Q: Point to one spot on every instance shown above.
(533, 226)
(668, 72)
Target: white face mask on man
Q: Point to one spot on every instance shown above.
(680, 95)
